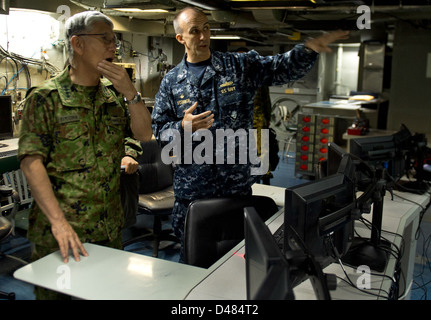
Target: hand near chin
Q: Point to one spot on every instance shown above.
(119, 78)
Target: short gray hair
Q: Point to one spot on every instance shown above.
(82, 22)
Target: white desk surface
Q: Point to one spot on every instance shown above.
(11, 144)
(111, 274)
(276, 193)
(224, 282)
(115, 274)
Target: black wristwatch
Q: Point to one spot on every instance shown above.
(136, 99)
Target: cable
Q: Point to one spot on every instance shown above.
(350, 282)
(397, 253)
(425, 263)
(52, 69)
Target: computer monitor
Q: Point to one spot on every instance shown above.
(364, 251)
(335, 155)
(6, 124)
(270, 275)
(267, 270)
(384, 153)
(320, 214)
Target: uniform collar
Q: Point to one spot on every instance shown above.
(67, 91)
(214, 67)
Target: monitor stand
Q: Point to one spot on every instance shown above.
(304, 266)
(373, 252)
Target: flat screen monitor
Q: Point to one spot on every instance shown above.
(383, 152)
(267, 270)
(6, 125)
(320, 214)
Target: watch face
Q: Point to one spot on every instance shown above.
(137, 98)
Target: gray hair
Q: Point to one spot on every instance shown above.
(176, 21)
(82, 22)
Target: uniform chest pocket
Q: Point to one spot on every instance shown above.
(116, 129)
(72, 148)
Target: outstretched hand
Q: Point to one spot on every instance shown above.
(202, 120)
(321, 44)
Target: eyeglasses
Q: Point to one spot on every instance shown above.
(104, 38)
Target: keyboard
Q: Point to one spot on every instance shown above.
(10, 153)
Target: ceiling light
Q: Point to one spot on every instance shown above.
(136, 10)
(225, 37)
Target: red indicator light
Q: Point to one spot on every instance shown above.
(325, 120)
(325, 131)
(306, 138)
(304, 157)
(324, 140)
(304, 148)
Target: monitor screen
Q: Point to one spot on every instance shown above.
(383, 152)
(6, 125)
(320, 214)
(267, 271)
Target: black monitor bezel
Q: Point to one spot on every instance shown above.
(311, 229)
(6, 128)
(274, 282)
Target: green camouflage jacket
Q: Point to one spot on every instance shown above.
(82, 133)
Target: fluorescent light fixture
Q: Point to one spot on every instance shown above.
(136, 10)
(225, 37)
(199, 4)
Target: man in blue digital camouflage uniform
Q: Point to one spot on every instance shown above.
(213, 90)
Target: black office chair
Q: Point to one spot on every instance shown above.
(215, 226)
(156, 195)
(6, 226)
(5, 231)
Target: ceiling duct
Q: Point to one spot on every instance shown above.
(271, 17)
(235, 19)
(123, 3)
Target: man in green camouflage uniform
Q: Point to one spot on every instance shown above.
(74, 137)
(83, 151)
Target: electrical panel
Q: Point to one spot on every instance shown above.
(313, 135)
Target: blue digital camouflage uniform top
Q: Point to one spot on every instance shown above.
(82, 133)
(227, 90)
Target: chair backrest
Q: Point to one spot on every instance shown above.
(5, 227)
(154, 174)
(215, 226)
